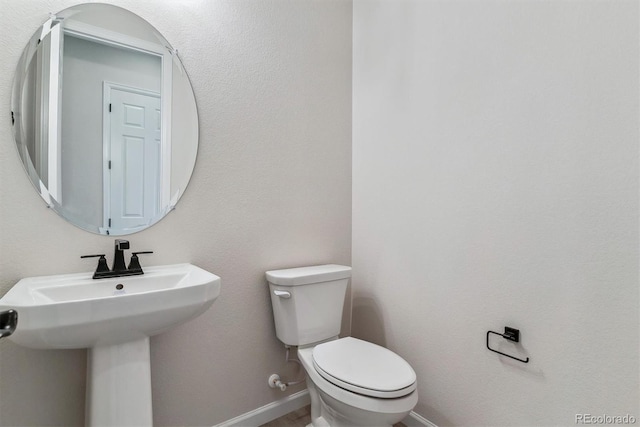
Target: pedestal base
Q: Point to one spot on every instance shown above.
(119, 385)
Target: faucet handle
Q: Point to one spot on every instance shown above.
(134, 264)
(102, 264)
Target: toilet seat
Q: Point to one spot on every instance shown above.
(359, 401)
(364, 368)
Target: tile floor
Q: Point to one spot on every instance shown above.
(299, 418)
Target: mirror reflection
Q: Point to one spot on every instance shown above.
(104, 119)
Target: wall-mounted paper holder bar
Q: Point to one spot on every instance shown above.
(8, 322)
(510, 334)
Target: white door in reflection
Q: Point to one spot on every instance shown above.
(133, 146)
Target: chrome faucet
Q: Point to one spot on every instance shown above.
(119, 267)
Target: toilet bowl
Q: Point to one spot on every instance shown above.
(351, 382)
(359, 385)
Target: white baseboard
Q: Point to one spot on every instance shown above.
(269, 412)
(293, 402)
(415, 420)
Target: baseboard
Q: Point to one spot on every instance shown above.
(415, 420)
(269, 412)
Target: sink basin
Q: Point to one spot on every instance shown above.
(76, 311)
(114, 318)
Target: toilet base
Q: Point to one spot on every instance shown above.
(329, 412)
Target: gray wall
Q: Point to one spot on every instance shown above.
(271, 189)
(495, 183)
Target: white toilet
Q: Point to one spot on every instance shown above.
(351, 382)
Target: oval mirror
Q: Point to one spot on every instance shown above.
(105, 119)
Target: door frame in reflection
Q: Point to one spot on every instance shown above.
(52, 99)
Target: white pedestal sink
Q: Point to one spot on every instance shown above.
(115, 323)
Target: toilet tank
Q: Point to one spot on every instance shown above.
(307, 302)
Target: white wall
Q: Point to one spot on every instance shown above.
(271, 189)
(495, 183)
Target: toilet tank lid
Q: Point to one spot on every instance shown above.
(307, 275)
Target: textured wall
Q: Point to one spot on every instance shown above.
(271, 189)
(495, 182)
